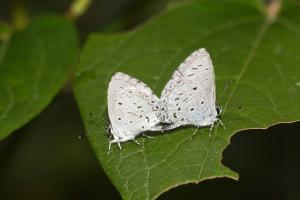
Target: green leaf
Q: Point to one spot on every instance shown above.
(5, 32)
(258, 61)
(34, 64)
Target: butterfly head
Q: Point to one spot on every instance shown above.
(219, 111)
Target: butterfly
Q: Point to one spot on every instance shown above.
(189, 98)
(132, 108)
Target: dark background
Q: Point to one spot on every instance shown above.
(46, 159)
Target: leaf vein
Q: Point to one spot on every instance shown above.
(256, 43)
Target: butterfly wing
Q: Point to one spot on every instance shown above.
(132, 107)
(189, 97)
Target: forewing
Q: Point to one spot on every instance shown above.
(132, 106)
(190, 94)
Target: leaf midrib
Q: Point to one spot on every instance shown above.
(252, 52)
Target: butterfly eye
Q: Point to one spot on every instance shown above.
(219, 110)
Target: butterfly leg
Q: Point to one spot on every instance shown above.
(213, 124)
(194, 133)
(221, 123)
(147, 136)
(211, 128)
(196, 130)
(136, 142)
(109, 147)
(125, 139)
(119, 145)
(115, 140)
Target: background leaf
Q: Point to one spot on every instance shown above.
(5, 31)
(34, 64)
(258, 60)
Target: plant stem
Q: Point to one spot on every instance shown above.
(77, 9)
(19, 14)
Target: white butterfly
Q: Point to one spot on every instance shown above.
(189, 98)
(132, 108)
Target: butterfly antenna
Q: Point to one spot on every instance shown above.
(224, 90)
(106, 122)
(107, 127)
